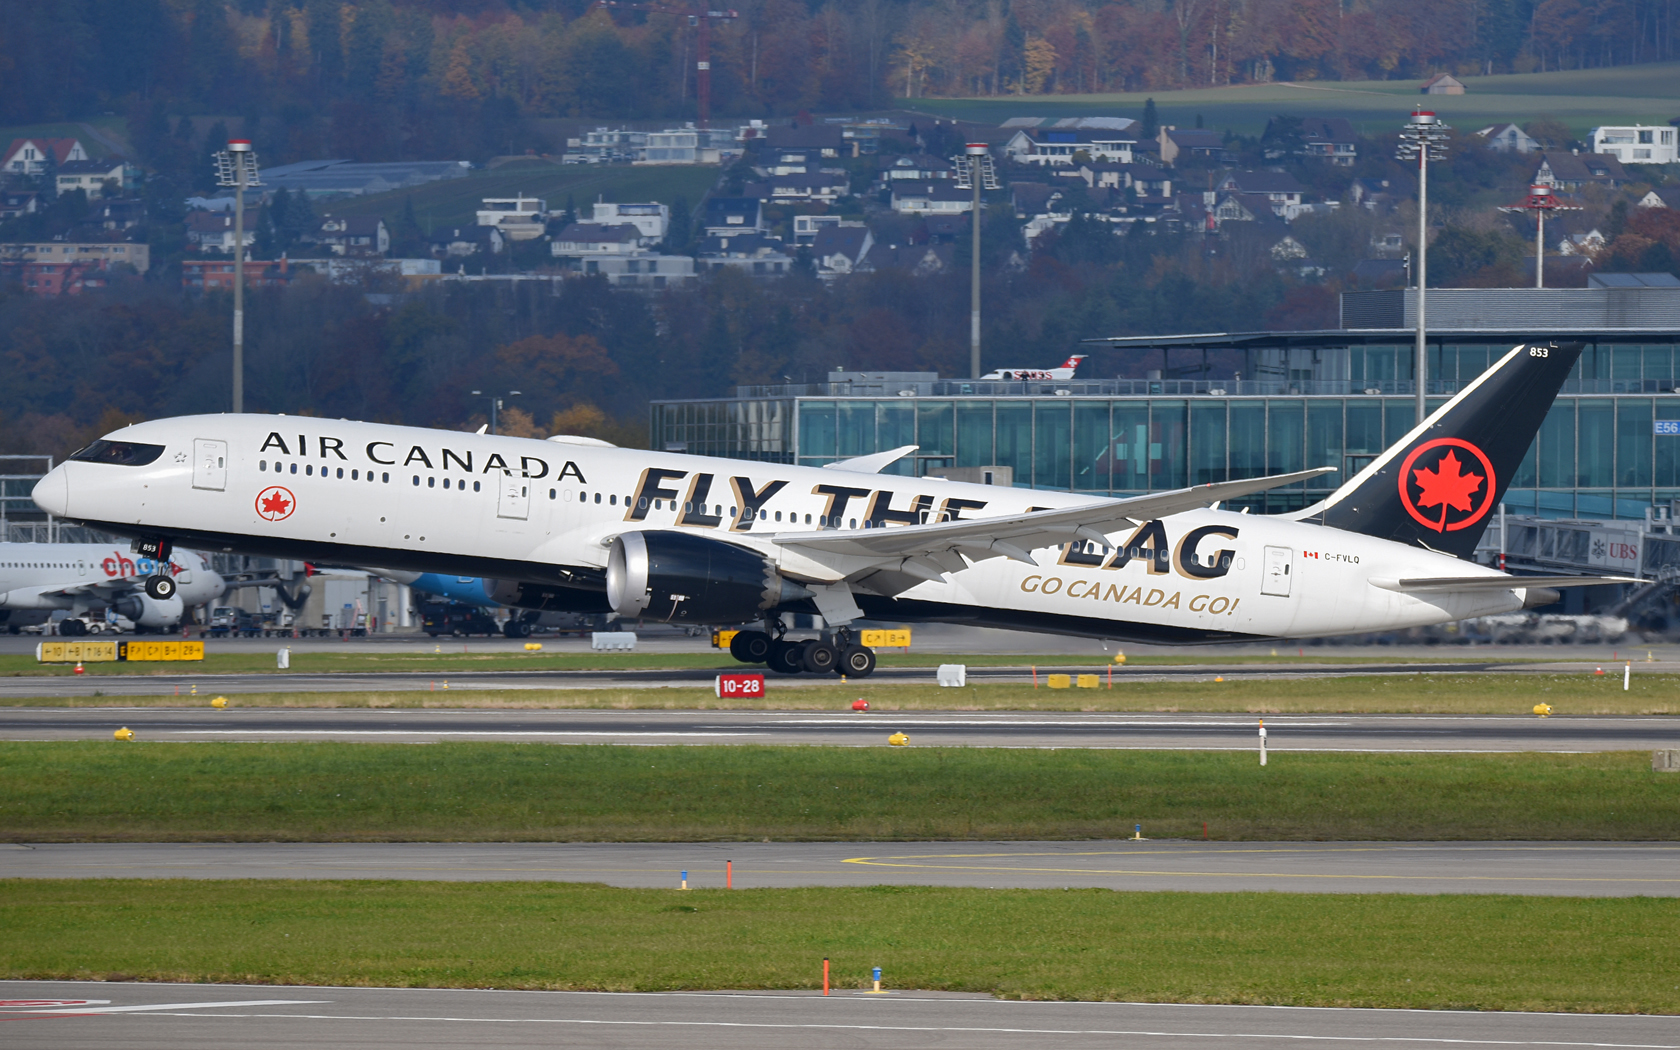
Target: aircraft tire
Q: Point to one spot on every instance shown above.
(856, 661)
(750, 647)
(516, 629)
(71, 628)
(820, 657)
(786, 657)
(160, 587)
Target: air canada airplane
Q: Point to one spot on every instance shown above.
(568, 524)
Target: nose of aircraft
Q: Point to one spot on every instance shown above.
(52, 493)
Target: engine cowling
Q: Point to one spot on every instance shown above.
(678, 577)
(147, 611)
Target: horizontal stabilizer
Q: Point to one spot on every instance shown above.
(872, 464)
(1496, 583)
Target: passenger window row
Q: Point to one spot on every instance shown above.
(460, 483)
(309, 471)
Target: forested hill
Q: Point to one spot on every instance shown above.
(395, 68)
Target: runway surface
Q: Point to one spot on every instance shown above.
(1529, 868)
(944, 729)
(25, 687)
(66, 1015)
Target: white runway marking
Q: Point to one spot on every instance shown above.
(80, 1010)
(972, 1030)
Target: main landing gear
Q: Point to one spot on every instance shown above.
(842, 655)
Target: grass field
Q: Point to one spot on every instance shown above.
(1498, 694)
(1580, 98)
(454, 202)
(167, 792)
(1446, 952)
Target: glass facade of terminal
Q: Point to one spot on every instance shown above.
(1598, 455)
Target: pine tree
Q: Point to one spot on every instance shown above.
(677, 234)
(1151, 121)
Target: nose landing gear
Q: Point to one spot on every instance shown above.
(162, 586)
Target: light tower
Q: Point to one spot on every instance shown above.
(975, 171)
(1422, 139)
(236, 166)
(1541, 201)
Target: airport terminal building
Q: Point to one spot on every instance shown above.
(1609, 448)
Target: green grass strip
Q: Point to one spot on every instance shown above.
(1383, 950)
(111, 791)
(1513, 693)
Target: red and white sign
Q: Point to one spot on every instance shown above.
(740, 686)
(276, 503)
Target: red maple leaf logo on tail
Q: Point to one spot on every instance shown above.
(1447, 486)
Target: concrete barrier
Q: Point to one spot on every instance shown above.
(953, 675)
(613, 641)
(1665, 761)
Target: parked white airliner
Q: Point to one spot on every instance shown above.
(37, 579)
(562, 524)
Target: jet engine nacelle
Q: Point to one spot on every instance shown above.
(147, 611)
(678, 577)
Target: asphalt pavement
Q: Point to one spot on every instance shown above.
(1528, 868)
(97, 1015)
(866, 729)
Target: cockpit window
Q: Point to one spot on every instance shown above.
(120, 453)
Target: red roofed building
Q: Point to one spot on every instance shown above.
(29, 156)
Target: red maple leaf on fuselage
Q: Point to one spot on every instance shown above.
(275, 504)
(1447, 486)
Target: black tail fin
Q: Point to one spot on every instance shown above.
(1438, 486)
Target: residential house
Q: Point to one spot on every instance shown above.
(1192, 143)
(732, 215)
(800, 189)
(122, 214)
(44, 279)
(687, 145)
(1661, 197)
(588, 238)
(1508, 138)
(1571, 171)
(1032, 198)
(1057, 146)
(938, 197)
(1291, 255)
(606, 146)
(1442, 84)
(806, 227)
(212, 231)
(828, 140)
(95, 177)
(943, 229)
(96, 255)
(1636, 143)
(520, 218)
(1388, 243)
(354, 235)
(1102, 175)
(1379, 194)
(1279, 188)
(209, 275)
(31, 156)
(1324, 138)
(462, 241)
(790, 162)
(918, 260)
(653, 219)
(753, 252)
(840, 250)
(916, 167)
(15, 203)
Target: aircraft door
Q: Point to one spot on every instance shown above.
(1276, 582)
(513, 499)
(209, 464)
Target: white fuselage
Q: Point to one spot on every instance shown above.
(547, 511)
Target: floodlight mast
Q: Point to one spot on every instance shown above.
(237, 167)
(1540, 200)
(975, 171)
(1423, 138)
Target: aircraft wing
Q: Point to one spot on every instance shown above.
(1496, 583)
(930, 550)
(872, 464)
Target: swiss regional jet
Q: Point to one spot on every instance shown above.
(568, 524)
(1064, 370)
